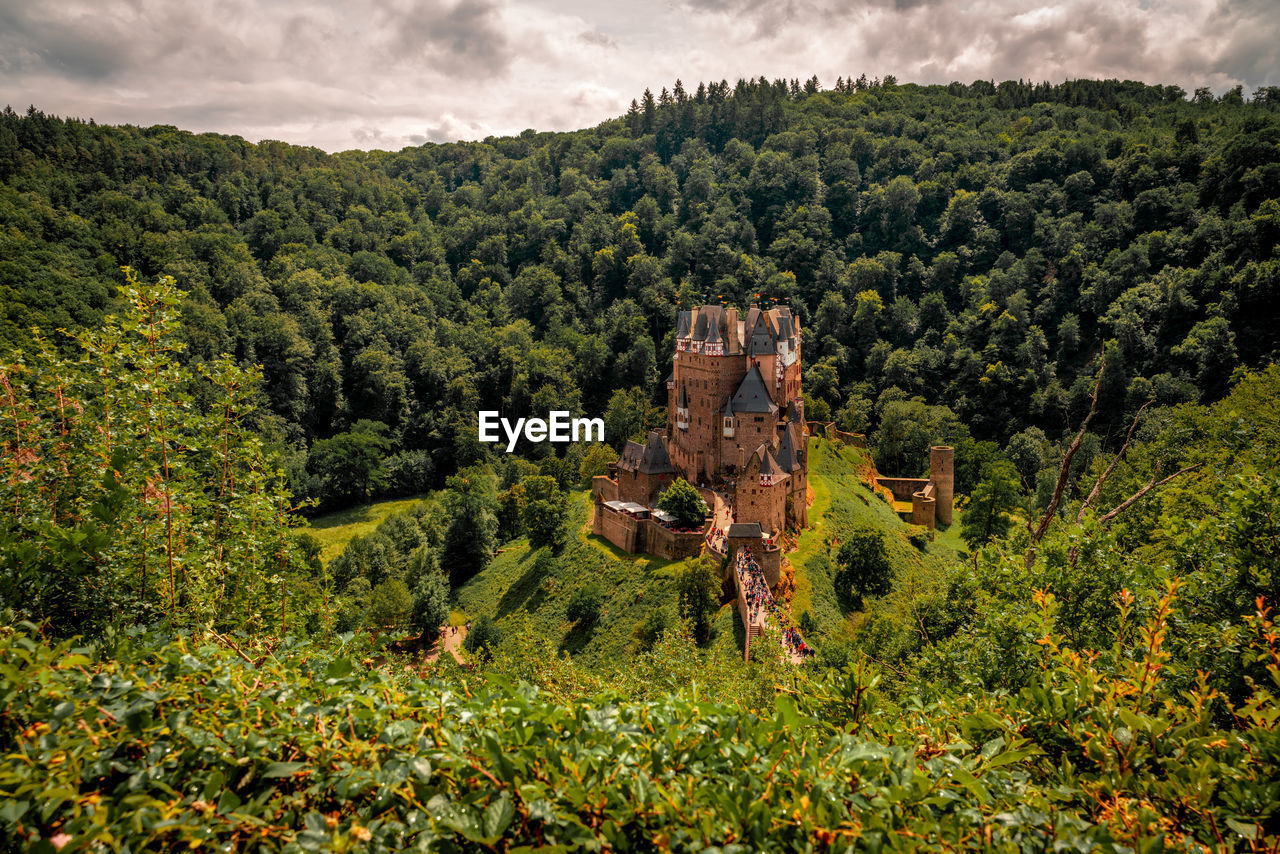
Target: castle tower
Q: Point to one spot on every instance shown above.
(942, 473)
(761, 492)
(793, 458)
(734, 387)
(923, 507)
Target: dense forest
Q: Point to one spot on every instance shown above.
(204, 342)
(959, 256)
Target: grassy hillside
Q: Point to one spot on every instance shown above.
(531, 588)
(335, 530)
(842, 504)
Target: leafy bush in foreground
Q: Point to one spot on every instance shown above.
(184, 745)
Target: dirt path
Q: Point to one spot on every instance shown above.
(453, 638)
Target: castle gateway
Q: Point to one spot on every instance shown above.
(735, 425)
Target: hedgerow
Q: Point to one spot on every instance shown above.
(177, 744)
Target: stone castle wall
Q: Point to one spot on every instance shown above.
(635, 536)
(709, 381)
(770, 559)
(932, 498)
(903, 487)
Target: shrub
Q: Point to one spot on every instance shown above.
(863, 567)
(484, 635)
(584, 606)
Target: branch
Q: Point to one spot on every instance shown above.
(1065, 471)
(1097, 487)
(1154, 484)
(223, 639)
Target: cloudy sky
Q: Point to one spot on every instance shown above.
(391, 73)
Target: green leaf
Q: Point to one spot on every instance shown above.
(339, 668)
(214, 784)
(497, 816)
(970, 783)
(282, 769)
(1248, 830)
(421, 767)
(787, 711)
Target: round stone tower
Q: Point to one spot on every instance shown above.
(942, 459)
(923, 508)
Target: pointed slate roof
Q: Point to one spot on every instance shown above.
(713, 333)
(753, 394)
(684, 323)
(632, 453)
(768, 465)
(682, 400)
(649, 458)
(655, 459)
(788, 452)
(786, 324)
(762, 341)
(700, 326)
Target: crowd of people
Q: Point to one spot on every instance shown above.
(761, 604)
(717, 539)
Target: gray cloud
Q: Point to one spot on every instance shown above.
(465, 36)
(390, 73)
(597, 38)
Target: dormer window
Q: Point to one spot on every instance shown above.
(766, 480)
(713, 350)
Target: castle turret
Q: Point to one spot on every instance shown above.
(942, 473)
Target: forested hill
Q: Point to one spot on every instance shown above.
(975, 246)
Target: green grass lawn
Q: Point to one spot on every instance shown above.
(843, 504)
(335, 530)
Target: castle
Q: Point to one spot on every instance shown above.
(735, 427)
(925, 500)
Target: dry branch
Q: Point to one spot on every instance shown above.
(1154, 484)
(1065, 471)
(1097, 487)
